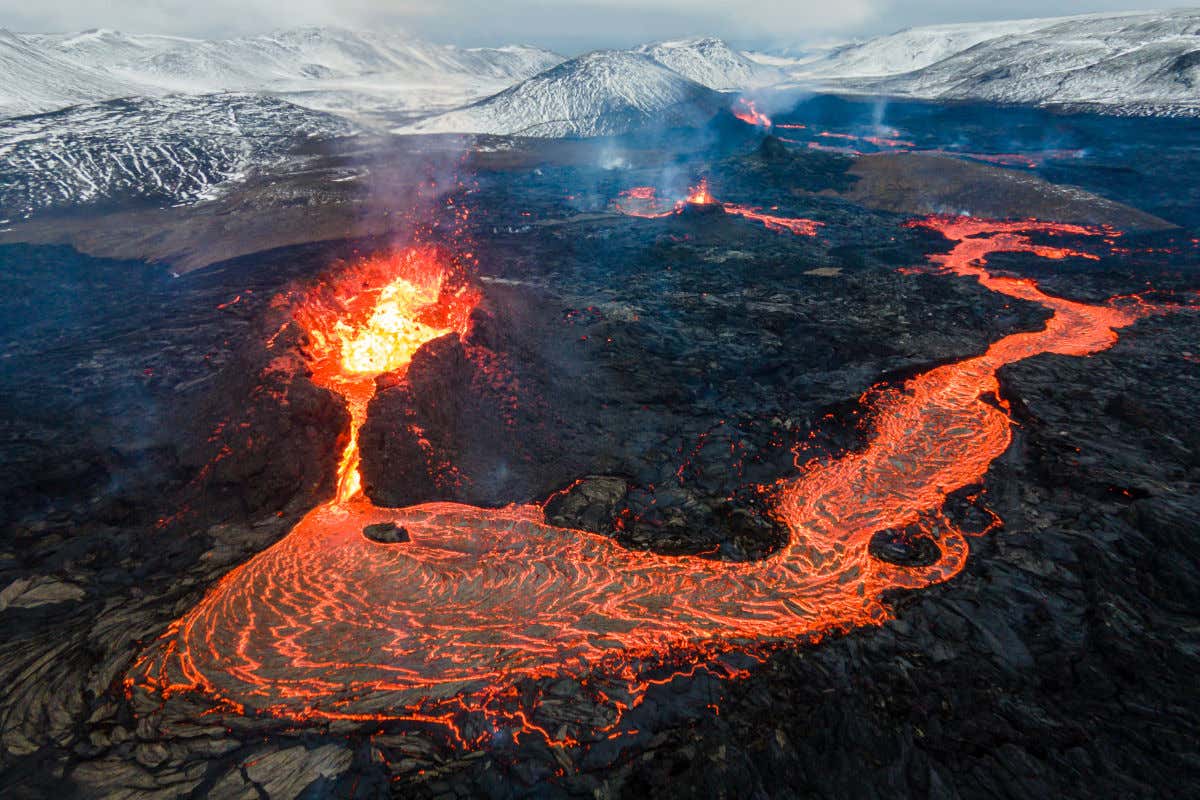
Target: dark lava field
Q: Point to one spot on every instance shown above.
(648, 380)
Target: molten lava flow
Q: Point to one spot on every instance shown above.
(879, 141)
(747, 112)
(643, 201)
(329, 624)
(796, 225)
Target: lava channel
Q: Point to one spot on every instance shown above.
(328, 624)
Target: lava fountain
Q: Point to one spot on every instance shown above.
(748, 112)
(329, 624)
(371, 320)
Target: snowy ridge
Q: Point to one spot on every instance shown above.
(170, 150)
(1131, 62)
(914, 48)
(36, 79)
(305, 54)
(712, 63)
(103, 47)
(57, 70)
(601, 93)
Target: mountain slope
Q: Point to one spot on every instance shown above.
(914, 48)
(315, 53)
(712, 63)
(320, 67)
(1106, 60)
(1137, 62)
(39, 80)
(103, 47)
(169, 150)
(601, 93)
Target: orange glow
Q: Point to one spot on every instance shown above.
(643, 201)
(699, 195)
(878, 141)
(796, 225)
(371, 321)
(327, 624)
(747, 112)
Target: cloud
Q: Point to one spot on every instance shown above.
(566, 25)
(597, 22)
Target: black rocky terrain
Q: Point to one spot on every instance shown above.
(641, 376)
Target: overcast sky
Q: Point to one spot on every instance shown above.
(568, 26)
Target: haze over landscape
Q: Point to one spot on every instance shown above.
(569, 26)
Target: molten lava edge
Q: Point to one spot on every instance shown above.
(643, 201)
(329, 624)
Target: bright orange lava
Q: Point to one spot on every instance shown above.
(643, 201)
(328, 624)
(699, 195)
(371, 321)
(747, 112)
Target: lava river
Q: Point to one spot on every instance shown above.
(643, 201)
(330, 624)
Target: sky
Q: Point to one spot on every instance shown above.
(567, 26)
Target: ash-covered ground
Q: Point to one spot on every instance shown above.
(644, 375)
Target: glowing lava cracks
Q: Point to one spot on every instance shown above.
(329, 624)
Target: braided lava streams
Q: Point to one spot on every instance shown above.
(329, 624)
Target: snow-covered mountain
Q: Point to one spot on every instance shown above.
(914, 48)
(601, 93)
(167, 150)
(1137, 62)
(58, 70)
(36, 78)
(304, 54)
(103, 47)
(712, 63)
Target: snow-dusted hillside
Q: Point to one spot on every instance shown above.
(712, 63)
(913, 48)
(103, 47)
(601, 93)
(321, 67)
(36, 78)
(168, 150)
(304, 54)
(1142, 62)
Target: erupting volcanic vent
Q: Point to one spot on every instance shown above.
(370, 321)
(747, 112)
(700, 195)
(445, 626)
(643, 201)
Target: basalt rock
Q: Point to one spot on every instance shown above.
(590, 504)
(688, 359)
(906, 548)
(387, 533)
(700, 211)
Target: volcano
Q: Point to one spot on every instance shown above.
(509, 598)
(683, 461)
